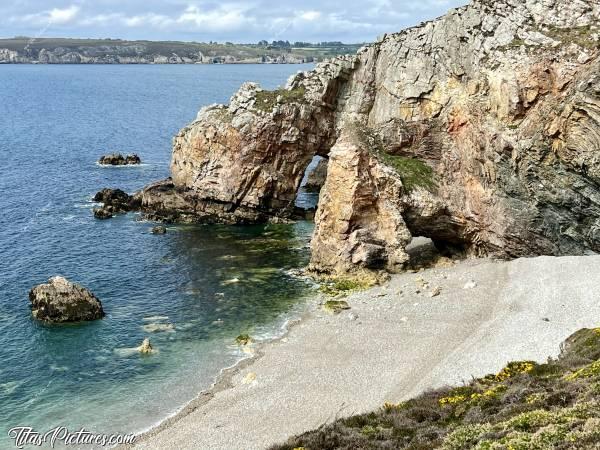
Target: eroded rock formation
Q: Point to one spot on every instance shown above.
(480, 130)
(59, 300)
(117, 159)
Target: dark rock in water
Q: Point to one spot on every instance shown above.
(164, 202)
(115, 201)
(159, 230)
(133, 159)
(316, 178)
(62, 301)
(112, 196)
(117, 159)
(103, 213)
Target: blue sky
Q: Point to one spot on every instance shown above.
(226, 20)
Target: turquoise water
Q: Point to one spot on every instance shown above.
(179, 289)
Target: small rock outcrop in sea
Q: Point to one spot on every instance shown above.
(114, 201)
(479, 130)
(316, 178)
(59, 300)
(158, 230)
(117, 159)
(104, 212)
(146, 347)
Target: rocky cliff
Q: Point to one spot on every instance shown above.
(480, 130)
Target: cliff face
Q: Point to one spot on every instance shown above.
(480, 130)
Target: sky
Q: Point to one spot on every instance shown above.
(238, 21)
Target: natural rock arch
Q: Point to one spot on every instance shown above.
(498, 101)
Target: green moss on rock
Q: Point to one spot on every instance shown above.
(413, 172)
(335, 306)
(243, 339)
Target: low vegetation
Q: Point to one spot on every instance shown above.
(581, 36)
(266, 100)
(335, 306)
(413, 172)
(526, 406)
(342, 286)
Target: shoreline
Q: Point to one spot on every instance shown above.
(223, 380)
(399, 345)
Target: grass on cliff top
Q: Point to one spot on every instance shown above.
(582, 36)
(267, 100)
(525, 406)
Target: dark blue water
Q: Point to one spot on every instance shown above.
(201, 286)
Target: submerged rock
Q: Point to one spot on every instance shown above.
(117, 159)
(105, 212)
(243, 339)
(59, 300)
(158, 230)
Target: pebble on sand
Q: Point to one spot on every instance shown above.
(249, 378)
(470, 285)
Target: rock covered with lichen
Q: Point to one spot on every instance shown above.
(486, 119)
(60, 300)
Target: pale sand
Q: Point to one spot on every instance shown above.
(400, 345)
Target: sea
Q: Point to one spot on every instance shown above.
(191, 291)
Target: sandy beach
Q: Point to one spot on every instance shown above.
(396, 341)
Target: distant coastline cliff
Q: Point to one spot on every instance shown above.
(479, 130)
(114, 51)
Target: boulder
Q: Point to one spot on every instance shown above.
(146, 347)
(103, 213)
(59, 301)
(117, 159)
(159, 230)
(115, 201)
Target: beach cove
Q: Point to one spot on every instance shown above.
(393, 344)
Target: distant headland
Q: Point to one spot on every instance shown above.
(26, 50)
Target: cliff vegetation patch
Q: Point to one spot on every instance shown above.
(267, 100)
(526, 405)
(413, 172)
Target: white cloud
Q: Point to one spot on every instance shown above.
(151, 20)
(310, 15)
(55, 16)
(226, 17)
(233, 20)
(62, 16)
